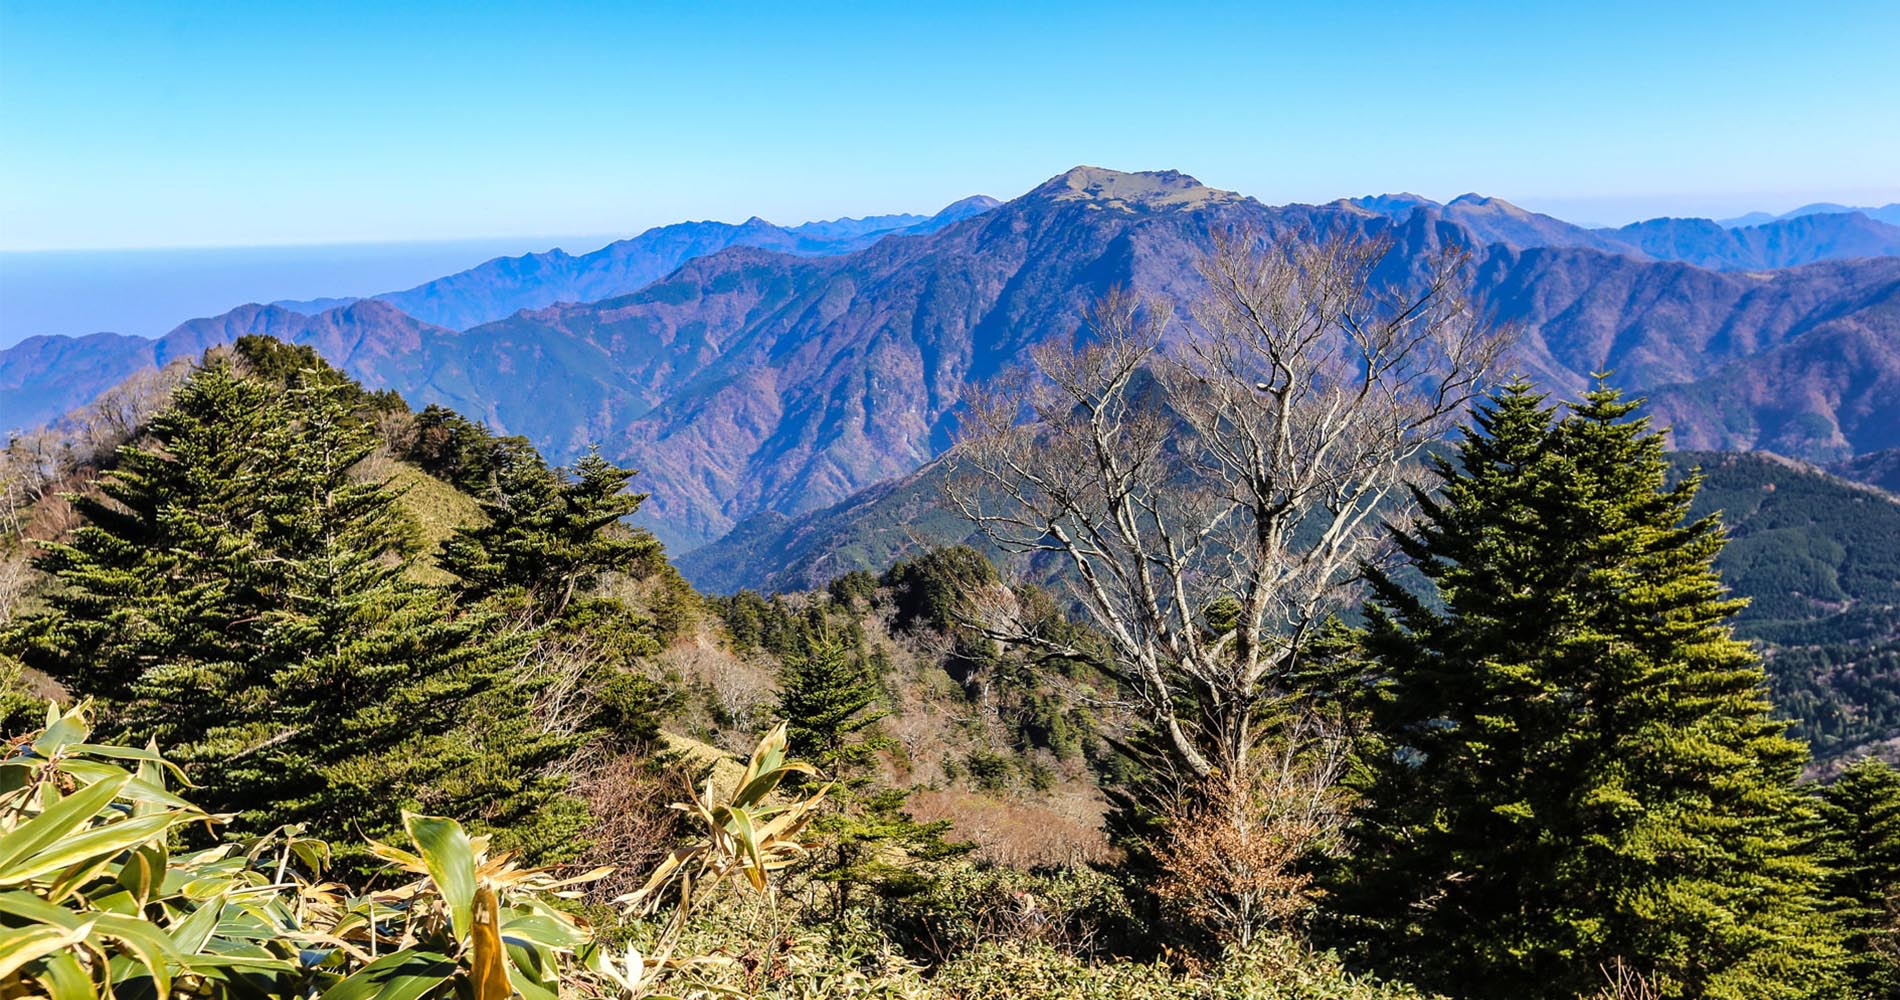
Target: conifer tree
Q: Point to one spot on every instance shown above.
(548, 535)
(365, 677)
(1860, 817)
(1572, 762)
(827, 699)
(239, 595)
(154, 581)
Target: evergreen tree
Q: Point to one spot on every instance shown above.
(1572, 761)
(549, 536)
(154, 582)
(238, 593)
(20, 708)
(827, 699)
(1860, 815)
(367, 680)
(866, 839)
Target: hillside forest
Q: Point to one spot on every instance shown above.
(1295, 647)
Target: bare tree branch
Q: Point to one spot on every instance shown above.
(1231, 462)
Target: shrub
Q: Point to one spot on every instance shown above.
(96, 900)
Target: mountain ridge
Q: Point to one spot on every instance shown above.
(751, 379)
(502, 286)
(1800, 237)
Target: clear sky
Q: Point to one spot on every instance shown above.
(181, 124)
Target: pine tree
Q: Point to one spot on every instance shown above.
(367, 677)
(1572, 761)
(866, 839)
(239, 595)
(549, 540)
(1860, 823)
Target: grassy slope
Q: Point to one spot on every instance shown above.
(438, 509)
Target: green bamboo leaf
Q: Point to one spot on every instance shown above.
(194, 932)
(116, 752)
(65, 979)
(147, 944)
(143, 873)
(57, 822)
(34, 943)
(405, 975)
(545, 930)
(445, 851)
(100, 842)
(62, 732)
(741, 826)
(529, 987)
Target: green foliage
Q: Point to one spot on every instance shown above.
(18, 707)
(1860, 846)
(969, 906)
(827, 699)
(1281, 969)
(153, 574)
(855, 589)
(869, 841)
(275, 362)
(755, 622)
(238, 594)
(548, 536)
(94, 898)
(930, 591)
(1572, 761)
(451, 447)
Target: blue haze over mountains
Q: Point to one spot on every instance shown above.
(754, 371)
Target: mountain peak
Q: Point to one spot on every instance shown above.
(1473, 200)
(1148, 190)
(975, 204)
(1393, 206)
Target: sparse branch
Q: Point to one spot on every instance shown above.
(1234, 460)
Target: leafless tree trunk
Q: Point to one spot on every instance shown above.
(1211, 491)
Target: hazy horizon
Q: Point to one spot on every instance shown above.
(147, 291)
(124, 125)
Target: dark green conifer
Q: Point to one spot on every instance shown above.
(155, 580)
(867, 840)
(240, 595)
(827, 699)
(1860, 824)
(364, 678)
(550, 536)
(1572, 762)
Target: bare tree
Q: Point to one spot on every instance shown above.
(1211, 491)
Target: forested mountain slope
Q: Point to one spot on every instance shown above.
(1817, 557)
(751, 381)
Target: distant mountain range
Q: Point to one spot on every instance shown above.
(82, 367)
(1804, 236)
(1889, 214)
(769, 373)
(506, 285)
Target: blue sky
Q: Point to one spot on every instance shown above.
(201, 124)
